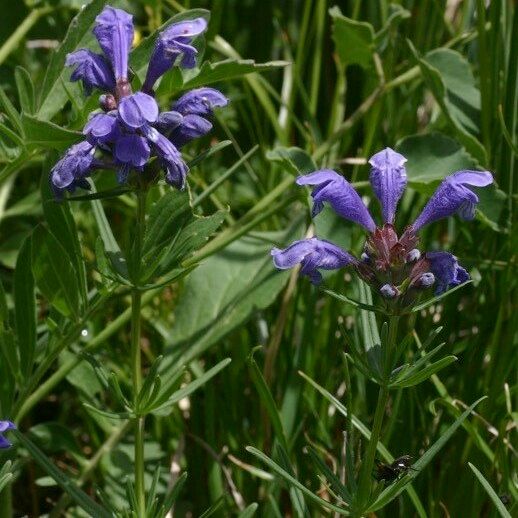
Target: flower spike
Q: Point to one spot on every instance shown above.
(453, 195)
(388, 179)
(340, 194)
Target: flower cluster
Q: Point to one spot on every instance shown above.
(129, 128)
(391, 264)
(4, 427)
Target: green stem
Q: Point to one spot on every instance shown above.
(370, 454)
(136, 307)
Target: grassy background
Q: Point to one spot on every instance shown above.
(235, 302)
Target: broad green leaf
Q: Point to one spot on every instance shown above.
(502, 511)
(25, 307)
(392, 491)
(432, 157)
(66, 483)
(53, 95)
(296, 159)
(224, 291)
(354, 40)
(433, 79)
(44, 134)
(25, 88)
(54, 273)
(463, 94)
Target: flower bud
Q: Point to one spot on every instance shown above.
(413, 255)
(426, 280)
(389, 291)
(107, 102)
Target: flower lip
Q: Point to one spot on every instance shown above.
(184, 29)
(200, 101)
(4, 427)
(138, 110)
(447, 271)
(454, 195)
(334, 189)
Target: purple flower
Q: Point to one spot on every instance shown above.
(312, 254)
(340, 194)
(101, 129)
(200, 101)
(138, 110)
(114, 32)
(71, 171)
(131, 151)
(4, 426)
(388, 291)
(388, 180)
(447, 271)
(195, 106)
(171, 43)
(92, 69)
(170, 158)
(453, 196)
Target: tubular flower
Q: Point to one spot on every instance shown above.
(391, 264)
(129, 129)
(4, 427)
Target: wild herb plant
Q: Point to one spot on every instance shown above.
(434, 80)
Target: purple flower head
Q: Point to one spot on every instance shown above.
(453, 195)
(313, 254)
(170, 158)
(447, 271)
(101, 129)
(138, 110)
(92, 69)
(200, 101)
(388, 180)
(114, 32)
(334, 189)
(4, 427)
(71, 171)
(171, 43)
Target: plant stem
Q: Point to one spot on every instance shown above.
(370, 454)
(136, 306)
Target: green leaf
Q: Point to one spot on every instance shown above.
(249, 511)
(12, 113)
(54, 273)
(409, 380)
(392, 491)
(432, 157)
(67, 484)
(224, 291)
(44, 134)
(25, 307)
(296, 159)
(462, 92)
(53, 95)
(354, 41)
(54, 437)
(25, 88)
(433, 300)
(491, 492)
(165, 408)
(294, 482)
(434, 81)
(267, 400)
(228, 69)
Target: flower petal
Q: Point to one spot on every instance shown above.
(447, 271)
(138, 109)
(114, 32)
(73, 167)
(453, 196)
(200, 101)
(388, 179)
(340, 194)
(101, 128)
(132, 150)
(192, 126)
(312, 254)
(92, 69)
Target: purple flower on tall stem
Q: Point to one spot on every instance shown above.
(4, 427)
(392, 265)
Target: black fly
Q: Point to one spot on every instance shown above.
(391, 472)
